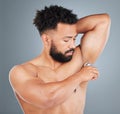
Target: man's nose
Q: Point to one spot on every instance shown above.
(72, 45)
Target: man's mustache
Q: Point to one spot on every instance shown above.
(70, 50)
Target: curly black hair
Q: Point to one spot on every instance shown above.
(49, 17)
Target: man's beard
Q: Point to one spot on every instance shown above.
(58, 56)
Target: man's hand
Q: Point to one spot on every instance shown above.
(88, 73)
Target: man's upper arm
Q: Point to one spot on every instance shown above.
(27, 86)
(95, 38)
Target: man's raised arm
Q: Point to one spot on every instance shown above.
(95, 30)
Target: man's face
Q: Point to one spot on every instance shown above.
(63, 43)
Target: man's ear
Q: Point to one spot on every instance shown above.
(45, 39)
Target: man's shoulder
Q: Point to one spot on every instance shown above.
(15, 69)
(21, 69)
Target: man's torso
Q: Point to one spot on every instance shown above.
(73, 105)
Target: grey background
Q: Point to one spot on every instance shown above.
(20, 42)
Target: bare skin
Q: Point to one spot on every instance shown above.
(45, 86)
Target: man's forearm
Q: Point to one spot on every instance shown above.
(89, 23)
(58, 92)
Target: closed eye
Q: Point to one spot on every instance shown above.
(66, 40)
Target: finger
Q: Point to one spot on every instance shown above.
(95, 76)
(96, 72)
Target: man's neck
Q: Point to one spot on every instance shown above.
(48, 61)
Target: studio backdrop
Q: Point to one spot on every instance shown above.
(20, 42)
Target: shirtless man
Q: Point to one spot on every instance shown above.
(55, 82)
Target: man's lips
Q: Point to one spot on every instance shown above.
(69, 53)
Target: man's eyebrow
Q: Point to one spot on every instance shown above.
(71, 36)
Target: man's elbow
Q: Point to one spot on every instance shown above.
(104, 23)
(47, 104)
(106, 19)
(49, 101)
